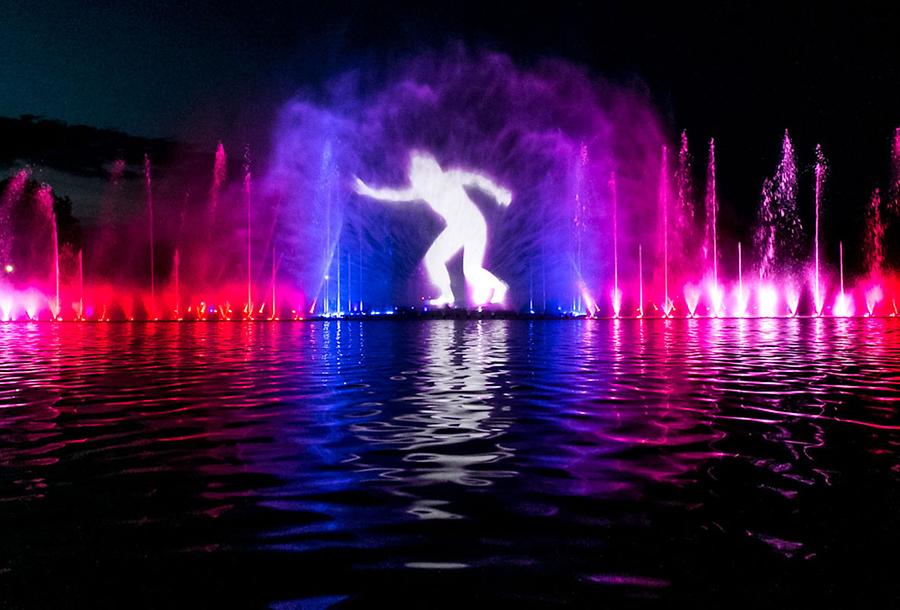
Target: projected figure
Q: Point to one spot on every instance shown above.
(443, 190)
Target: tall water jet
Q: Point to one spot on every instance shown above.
(176, 266)
(640, 282)
(874, 237)
(580, 222)
(81, 285)
(219, 169)
(148, 184)
(766, 300)
(45, 203)
(683, 247)
(616, 294)
(843, 307)
(691, 298)
(779, 234)
(685, 184)
(10, 196)
(664, 212)
(821, 168)
(892, 214)
(895, 174)
(741, 305)
(249, 202)
(874, 251)
(712, 238)
(274, 314)
(841, 264)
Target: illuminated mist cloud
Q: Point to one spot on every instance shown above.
(550, 133)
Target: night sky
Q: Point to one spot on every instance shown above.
(202, 71)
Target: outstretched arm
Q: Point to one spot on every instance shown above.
(502, 195)
(407, 194)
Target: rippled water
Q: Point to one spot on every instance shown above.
(435, 463)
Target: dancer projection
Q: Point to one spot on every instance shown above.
(444, 192)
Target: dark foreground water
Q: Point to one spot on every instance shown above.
(442, 463)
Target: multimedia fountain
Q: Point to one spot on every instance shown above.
(597, 218)
(748, 454)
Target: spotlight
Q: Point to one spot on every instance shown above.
(9, 268)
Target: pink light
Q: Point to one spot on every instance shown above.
(792, 299)
(616, 300)
(843, 306)
(6, 305)
(30, 305)
(874, 295)
(716, 298)
(740, 302)
(589, 303)
(691, 298)
(767, 301)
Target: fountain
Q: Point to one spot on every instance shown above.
(149, 191)
(712, 212)
(820, 171)
(601, 175)
(616, 293)
(44, 198)
(664, 214)
(778, 232)
(80, 316)
(176, 266)
(640, 309)
(843, 306)
(741, 301)
(248, 310)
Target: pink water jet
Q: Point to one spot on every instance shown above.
(843, 304)
(616, 296)
(640, 308)
(895, 173)
(80, 316)
(874, 236)
(767, 300)
(219, 169)
(148, 184)
(820, 170)
(712, 239)
(44, 198)
(248, 199)
(874, 295)
(778, 232)
(791, 299)
(664, 212)
(740, 299)
(176, 265)
(691, 298)
(274, 314)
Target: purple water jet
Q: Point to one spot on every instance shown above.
(616, 293)
(249, 203)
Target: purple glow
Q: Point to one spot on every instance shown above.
(589, 166)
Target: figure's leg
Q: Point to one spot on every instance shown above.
(485, 285)
(442, 250)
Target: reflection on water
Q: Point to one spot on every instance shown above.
(425, 463)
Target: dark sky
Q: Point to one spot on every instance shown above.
(740, 71)
(154, 67)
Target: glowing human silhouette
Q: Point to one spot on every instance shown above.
(444, 191)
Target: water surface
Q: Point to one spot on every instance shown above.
(437, 463)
